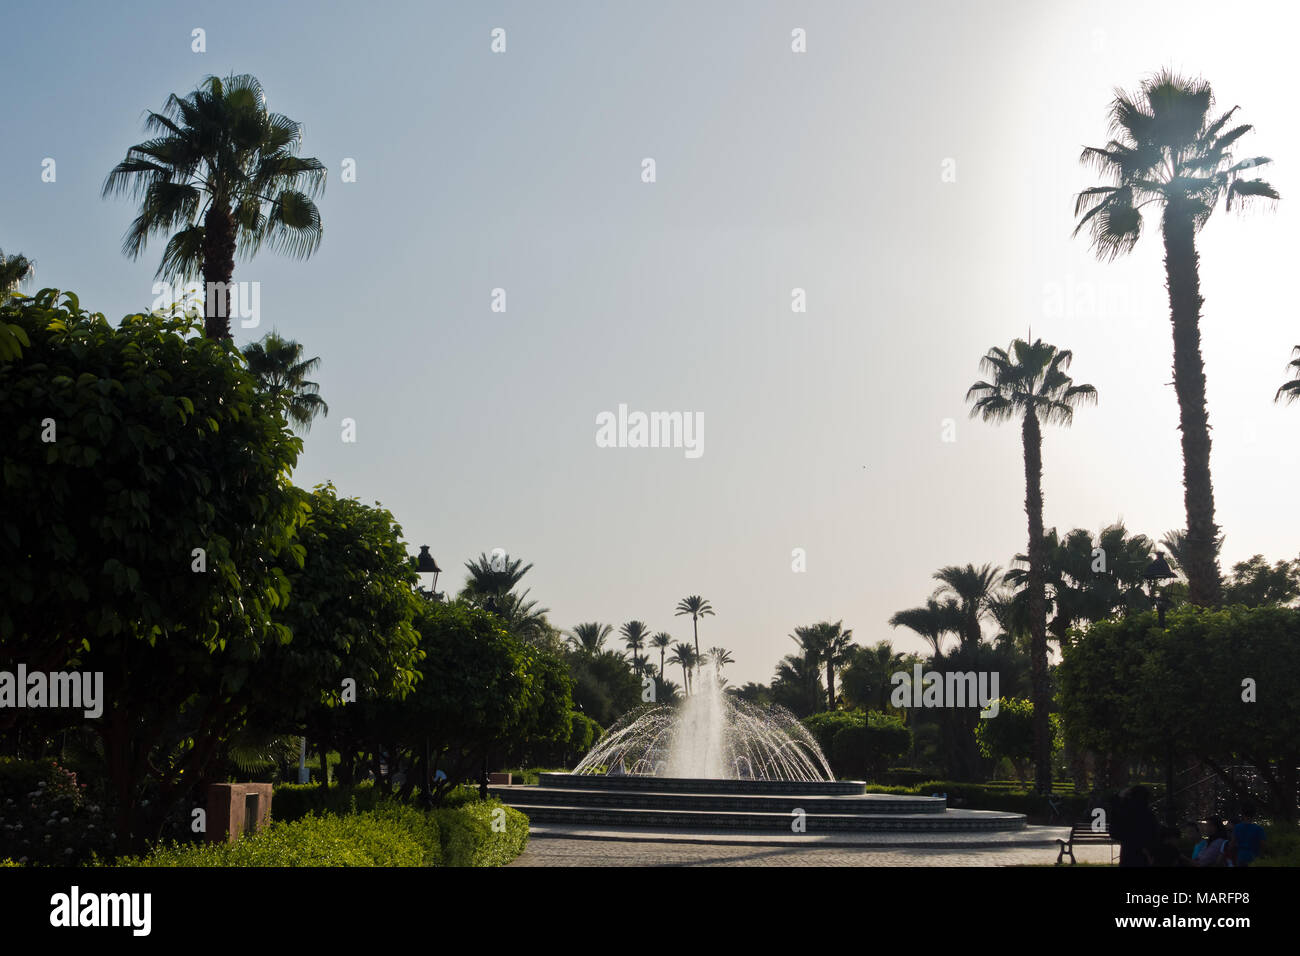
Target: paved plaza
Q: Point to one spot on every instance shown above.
(550, 846)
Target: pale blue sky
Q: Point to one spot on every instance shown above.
(775, 170)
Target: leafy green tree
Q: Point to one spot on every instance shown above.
(279, 367)
(222, 175)
(146, 501)
(1214, 685)
(350, 612)
(14, 270)
(1030, 382)
(697, 607)
(481, 690)
(1255, 583)
(1010, 734)
(603, 685)
(1168, 151)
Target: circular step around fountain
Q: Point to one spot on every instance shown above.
(756, 806)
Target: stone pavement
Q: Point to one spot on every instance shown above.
(554, 846)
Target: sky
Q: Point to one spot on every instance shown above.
(913, 172)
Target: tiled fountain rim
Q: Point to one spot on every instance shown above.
(696, 785)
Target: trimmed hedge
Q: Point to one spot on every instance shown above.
(468, 837)
(389, 835)
(293, 801)
(976, 796)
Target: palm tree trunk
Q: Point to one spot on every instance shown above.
(1033, 439)
(218, 268)
(1181, 264)
(695, 623)
(830, 686)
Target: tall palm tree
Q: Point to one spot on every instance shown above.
(972, 588)
(635, 634)
(932, 622)
(279, 367)
(1169, 151)
(683, 656)
(1175, 545)
(222, 174)
(829, 644)
(589, 638)
(697, 607)
(15, 269)
(720, 657)
(663, 640)
(1030, 382)
(1292, 388)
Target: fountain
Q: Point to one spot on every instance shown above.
(713, 765)
(712, 736)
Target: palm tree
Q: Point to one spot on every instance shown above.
(222, 175)
(1167, 150)
(829, 644)
(697, 607)
(797, 683)
(932, 622)
(14, 271)
(1030, 381)
(490, 579)
(589, 638)
(720, 657)
(663, 640)
(279, 367)
(1175, 545)
(683, 656)
(1292, 388)
(972, 588)
(635, 633)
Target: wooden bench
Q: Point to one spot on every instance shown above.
(1084, 833)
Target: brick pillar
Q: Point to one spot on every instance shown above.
(226, 810)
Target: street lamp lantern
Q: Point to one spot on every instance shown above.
(1155, 575)
(426, 565)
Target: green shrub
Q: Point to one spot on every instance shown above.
(391, 835)
(977, 796)
(1281, 846)
(44, 816)
(826, 725)
(468, 837)
(863, 752)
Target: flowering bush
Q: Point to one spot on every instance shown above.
(44, 816)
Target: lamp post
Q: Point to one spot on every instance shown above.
(1157, 573)
(425, 564)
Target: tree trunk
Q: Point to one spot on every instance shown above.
(1033, 439)
(218, 268)
(830, 686)
(695, 623)
(1183, 282)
